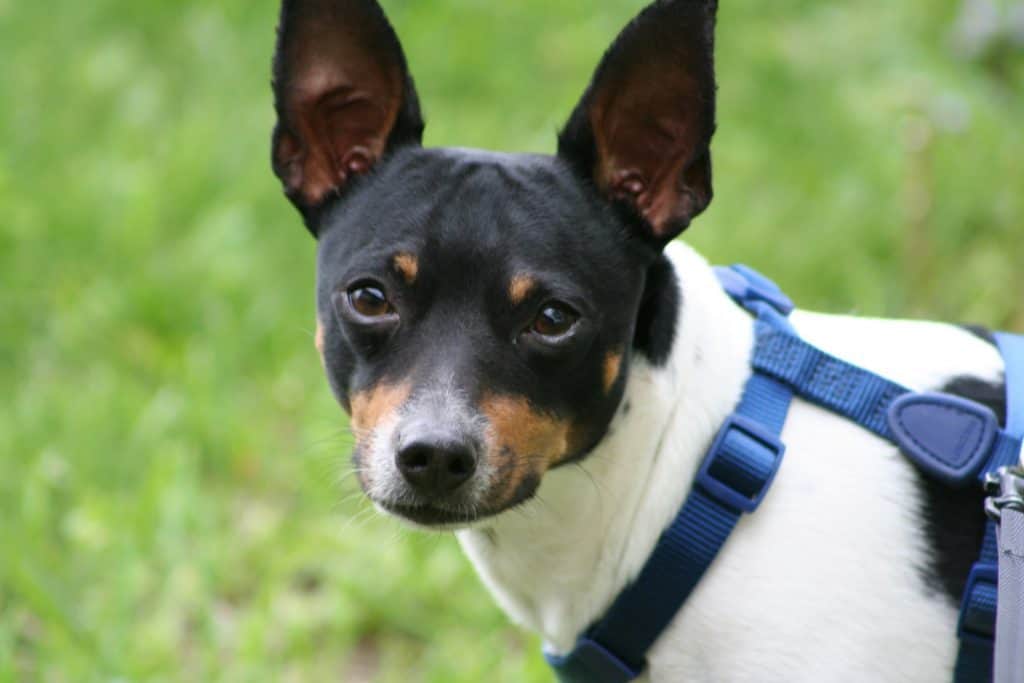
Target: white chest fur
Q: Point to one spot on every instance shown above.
(822, 583)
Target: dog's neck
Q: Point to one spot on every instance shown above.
(555, 564)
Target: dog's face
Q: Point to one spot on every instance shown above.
(476, 333)
(477, 312)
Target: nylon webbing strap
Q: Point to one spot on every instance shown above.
(734, 477)
(707, 517)
(976, 625)
(841, 387)
(737, 472)
(851, 391)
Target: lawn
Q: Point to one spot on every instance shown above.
(175, 498)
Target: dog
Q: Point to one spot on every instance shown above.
(531, 360)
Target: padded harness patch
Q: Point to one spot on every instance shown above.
(946, 436)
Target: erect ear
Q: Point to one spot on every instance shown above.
(643, 128)
(343, 96)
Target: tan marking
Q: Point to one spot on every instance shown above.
(612, 367)
(516, 425)
(371, 407)
(526, 441)
(519, 288)
(408, 265)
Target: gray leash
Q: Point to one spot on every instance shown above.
(1006, 506)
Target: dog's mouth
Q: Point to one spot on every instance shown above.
(439, 516)
(431, 515)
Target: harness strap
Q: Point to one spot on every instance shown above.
(733, 479)
(951, 439)
(977, 622)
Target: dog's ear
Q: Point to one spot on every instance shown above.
(343, 95)
(642, 131)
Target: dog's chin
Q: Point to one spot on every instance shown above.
(428, 517)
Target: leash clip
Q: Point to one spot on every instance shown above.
(1005, 488)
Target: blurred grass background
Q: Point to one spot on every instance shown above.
(173, 498)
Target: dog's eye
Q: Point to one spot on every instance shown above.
(554, 320)
(369, 301)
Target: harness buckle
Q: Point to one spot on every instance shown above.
(1005, 488)
(741, 464)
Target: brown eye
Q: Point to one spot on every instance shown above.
(554, 320)
(369, 301)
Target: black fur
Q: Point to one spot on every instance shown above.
(475, 220)
(954, 519)
(656, 323)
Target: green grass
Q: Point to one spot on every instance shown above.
(174, 502)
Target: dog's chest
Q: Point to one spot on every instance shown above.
(826, 581)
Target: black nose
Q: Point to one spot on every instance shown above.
(435, 468)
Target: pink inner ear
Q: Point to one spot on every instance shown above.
(650, 112)
(341, 91)
(344, 133)
(642, 155)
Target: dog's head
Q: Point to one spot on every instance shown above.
(477, 312)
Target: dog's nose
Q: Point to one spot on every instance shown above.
(436, 466)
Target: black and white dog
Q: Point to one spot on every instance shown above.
(530, 360)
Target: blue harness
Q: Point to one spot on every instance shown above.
(951, 439)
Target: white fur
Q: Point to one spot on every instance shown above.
(822, 583)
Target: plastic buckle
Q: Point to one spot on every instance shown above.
(724, 492)
(745, 285)
(591, 662)
(977, 619)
